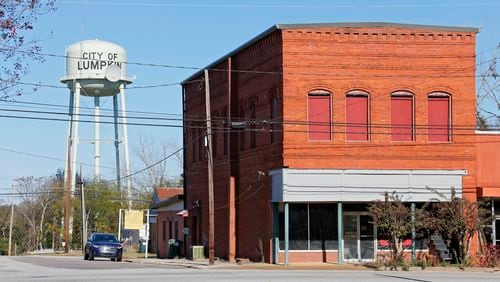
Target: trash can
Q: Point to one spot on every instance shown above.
(173, 248)
(142, 246)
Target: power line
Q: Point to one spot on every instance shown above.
(246, 6)
(221, 121)
(322, 74)
(256, 130)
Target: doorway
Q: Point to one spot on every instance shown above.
(359, 237)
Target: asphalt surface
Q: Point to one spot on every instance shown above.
(46, 268)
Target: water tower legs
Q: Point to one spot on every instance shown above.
(74, 141)
(97, 149)
(125, 145)
(117, 143)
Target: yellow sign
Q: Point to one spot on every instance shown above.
(133, 219)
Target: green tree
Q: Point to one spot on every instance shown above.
(393, 218)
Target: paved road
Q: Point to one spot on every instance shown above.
(75, 269)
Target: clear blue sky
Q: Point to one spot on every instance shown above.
(187, 33)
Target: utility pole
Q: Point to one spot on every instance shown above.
(84, 212)
(147, 234)
(211, 225)
(11, 222)
(68, 199)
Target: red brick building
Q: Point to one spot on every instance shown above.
(313, 121)
(165, 224)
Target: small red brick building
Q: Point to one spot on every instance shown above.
(313, 121)
(166, 203)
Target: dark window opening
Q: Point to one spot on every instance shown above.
(164, 233)
(312, 227)
(176, 230)
(170, 229)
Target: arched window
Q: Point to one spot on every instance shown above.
(402, 117)
(356, 116)
(438, 117)
(253, 125)
(319, 115)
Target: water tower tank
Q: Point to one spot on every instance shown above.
(99, 66)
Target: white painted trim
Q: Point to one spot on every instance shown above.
(355, 185)
(488, 132)
(309, 251)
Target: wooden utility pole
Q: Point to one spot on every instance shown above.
(68, 199)
(11, 222)
(211, 225)
(84, 215)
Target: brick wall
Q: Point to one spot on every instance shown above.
(380, 61)
(376, 60)
(162, 246)
(252, 207)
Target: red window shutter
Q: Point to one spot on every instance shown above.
(357, 118)
(319, 117)
(439, 119)
(401, 118)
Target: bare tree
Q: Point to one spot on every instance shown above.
(158, 174)
(17, 19)
(488, 93)
(458, 220)
(36, 194)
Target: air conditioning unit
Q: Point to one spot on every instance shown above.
(198, 252)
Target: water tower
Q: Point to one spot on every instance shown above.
(95, 69)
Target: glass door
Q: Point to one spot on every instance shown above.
(359, 237)
(366, 237)
(350, 237)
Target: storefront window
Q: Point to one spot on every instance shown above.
(312, 227)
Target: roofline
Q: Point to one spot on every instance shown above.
(379, 24)
(168, 201)
(232, 53)
(326, 25)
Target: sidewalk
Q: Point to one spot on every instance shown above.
(220, 264)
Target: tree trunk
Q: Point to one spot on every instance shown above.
(44, 208)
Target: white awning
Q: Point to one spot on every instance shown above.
(329, 185)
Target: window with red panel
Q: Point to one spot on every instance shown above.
(438, 112)
(356, 116)
(402, 117)
(319, 115)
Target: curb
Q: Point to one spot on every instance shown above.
(181, 265)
